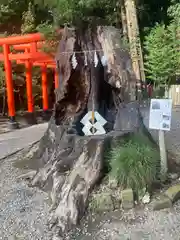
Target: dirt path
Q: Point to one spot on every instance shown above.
(13, 141)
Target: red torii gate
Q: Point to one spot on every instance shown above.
(29, 44)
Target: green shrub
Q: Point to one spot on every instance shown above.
(134, 163)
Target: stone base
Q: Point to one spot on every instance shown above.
(12, 124)
(162, 203)
(31, 118)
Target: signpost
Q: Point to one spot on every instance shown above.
(160, 119)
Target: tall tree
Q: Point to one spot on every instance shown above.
(161, 44)
(161, 59)
(95, 77)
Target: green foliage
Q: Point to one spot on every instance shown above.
(80, 11)
(12, 8)
(162, 57)
(51, 36)
(47, 29)
(5, 12)
(28, 17)
(42, 15)
(76, 12)
(134, 163)
(151, 12)
(174, 12)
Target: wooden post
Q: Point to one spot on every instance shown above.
(134, 39)
(44, 88)
(123, 19)
(56, 78)
(29, 85)
(163, 154)
(33, 48)
(9, 82)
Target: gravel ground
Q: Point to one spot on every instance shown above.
(23, 210)
(24, 214)
(133, 225)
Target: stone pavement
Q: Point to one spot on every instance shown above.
(16, 140)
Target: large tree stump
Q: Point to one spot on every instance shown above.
(68, 163)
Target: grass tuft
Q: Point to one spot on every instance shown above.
(134, 163)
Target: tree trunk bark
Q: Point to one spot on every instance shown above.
(123, 19)
(68, 163)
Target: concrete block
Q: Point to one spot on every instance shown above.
(127, 198)
(173, 193)
(162, 203)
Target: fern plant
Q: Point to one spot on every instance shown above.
(134, 164)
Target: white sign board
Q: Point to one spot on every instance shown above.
(160, 114)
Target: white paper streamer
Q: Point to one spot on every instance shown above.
(95, 59)
(74, 61)
(104, 61)
(85, 59)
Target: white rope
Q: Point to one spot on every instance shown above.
(88, 51)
